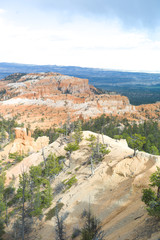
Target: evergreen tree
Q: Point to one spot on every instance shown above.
(154, 150)
(152, 198)
(92, 229)
(23, 194)
(8, 193)
(2, 206)
(98, 150)
(78, 134)
(41, 194)
(71, 147)
(53, 166)
(136, 141)
(2, 134)
(35, 182)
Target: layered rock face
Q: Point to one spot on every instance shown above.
(42, 85)
(47, 99)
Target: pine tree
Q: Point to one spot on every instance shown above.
(152, 198)
(71, 147)
(136, 141)
(98, 150)
(23, 194)
(78, 134)
(8, 193)
(2, 206)
(92, 228)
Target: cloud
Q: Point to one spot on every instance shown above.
(84, 42)
(106, 34)
(131, 14)
(135, 13)
(2, 11)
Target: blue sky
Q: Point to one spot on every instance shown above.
(111, 34)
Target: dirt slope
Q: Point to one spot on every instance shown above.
(114, 191)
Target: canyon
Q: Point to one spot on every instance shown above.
(49, 99)
(114, 191)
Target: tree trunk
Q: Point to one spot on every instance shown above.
(70, 160)
(60, 234)
(134, 154)
(6, 213)
(98, 144)
(23, 211)
(92, 168)
(158, 193)
(44, 159)
(102, 135)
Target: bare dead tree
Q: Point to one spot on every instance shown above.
(92, 167)
(60, 227)
(44, 159)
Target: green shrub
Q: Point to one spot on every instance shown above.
(16, 156)
(148, 196)
(77, 168)
(103, 150)
(76, 233)
(69, 182)
(71, 147)
(54, 165)
(52, 212)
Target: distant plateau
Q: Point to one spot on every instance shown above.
(140, 88)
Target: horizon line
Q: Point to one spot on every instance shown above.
(98, 68)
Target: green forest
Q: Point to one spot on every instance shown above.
(143, 136)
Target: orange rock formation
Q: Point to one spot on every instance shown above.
(25, 144)
(46, 99)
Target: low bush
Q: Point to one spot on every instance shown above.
(52, 212)
(69, 182)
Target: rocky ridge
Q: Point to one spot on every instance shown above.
(114, 191)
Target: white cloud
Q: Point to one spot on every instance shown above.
(83, 42)
(2, 11)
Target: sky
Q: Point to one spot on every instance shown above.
(108, 34)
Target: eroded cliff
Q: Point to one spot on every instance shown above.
(45, 99)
